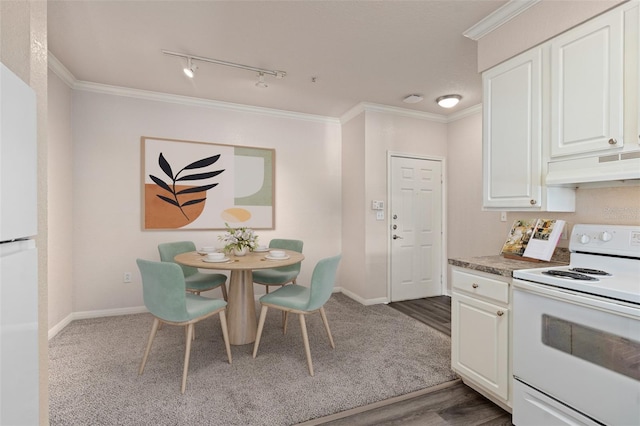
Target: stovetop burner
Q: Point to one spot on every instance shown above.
(570, 275)
(590, 271)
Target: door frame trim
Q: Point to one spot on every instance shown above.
(443, 212)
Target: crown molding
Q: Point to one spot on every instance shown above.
(65, 75)
(473, 110)
(61, 71)
(438, 118)
(497, 18)
(371, 107)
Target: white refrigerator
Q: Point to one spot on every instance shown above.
(18, 253)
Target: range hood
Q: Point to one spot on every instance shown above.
(606, 168)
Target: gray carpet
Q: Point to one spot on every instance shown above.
(380, 353)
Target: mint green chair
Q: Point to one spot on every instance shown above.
(303, 301)
(163, 288)
(283, 275)
(196, 281)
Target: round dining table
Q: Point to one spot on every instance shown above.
(241, 309)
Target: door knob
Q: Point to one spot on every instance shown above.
(395, 216)
(396, 237)
(500, 313)
(395, 226)
(612, 141)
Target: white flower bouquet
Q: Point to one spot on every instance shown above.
(239, 239)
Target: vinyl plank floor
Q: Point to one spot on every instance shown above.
(457, 404)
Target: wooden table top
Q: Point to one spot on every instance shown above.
(251, 260)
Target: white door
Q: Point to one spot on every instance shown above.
(416, 228)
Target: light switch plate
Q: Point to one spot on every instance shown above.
(380, 215)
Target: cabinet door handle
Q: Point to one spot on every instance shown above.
(500, 313)
(612, 141)
(474, 285)
(532, 202)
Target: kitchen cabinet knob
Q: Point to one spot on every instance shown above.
(474, 285)
(612, 141)
(500, 313)
(532, 202)
(397, 237)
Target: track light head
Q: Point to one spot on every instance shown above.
(261, 82)
(190, 69)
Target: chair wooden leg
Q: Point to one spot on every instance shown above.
(225, 334)
(305, 338)
(154, 330)
(267, 289)
(263, 316)
(284, 321)
(186, 332)
(187, 352)
(223, 287)
(326, 326)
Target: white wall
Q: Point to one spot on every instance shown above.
(60, 184)
(367, 140)
(471, 231)
(398, 133)
(353, 206)
(107, 235)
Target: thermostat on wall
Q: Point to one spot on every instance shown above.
(377, 205)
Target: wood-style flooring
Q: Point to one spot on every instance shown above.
(457, 404)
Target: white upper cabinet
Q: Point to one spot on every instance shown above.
(587, 75)
(513, 166)
(512, 132)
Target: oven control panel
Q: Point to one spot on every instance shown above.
(620, 240)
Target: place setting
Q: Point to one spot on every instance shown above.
(277, 255)
(215, 257)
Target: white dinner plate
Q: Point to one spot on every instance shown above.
(224, 259)
(260, 250)
(276, 258)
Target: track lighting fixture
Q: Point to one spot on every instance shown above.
(448, 101)
(190, 68)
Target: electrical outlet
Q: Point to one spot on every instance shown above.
(126, 277)
(503, 216)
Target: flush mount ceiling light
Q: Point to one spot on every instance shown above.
(448, 101)
(189, 70)
(412, 99)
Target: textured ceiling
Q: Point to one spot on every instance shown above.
(358, 51)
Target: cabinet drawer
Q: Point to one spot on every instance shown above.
(480, 285)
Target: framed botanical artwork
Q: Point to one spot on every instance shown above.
(198, 185)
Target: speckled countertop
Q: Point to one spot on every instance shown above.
(499, 265)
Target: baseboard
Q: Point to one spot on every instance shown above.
(53, 331)
(363, 301)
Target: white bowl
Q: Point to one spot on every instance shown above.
(215, 256)
(208, 249)
(277, 253)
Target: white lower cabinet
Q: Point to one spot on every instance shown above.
(480, 333)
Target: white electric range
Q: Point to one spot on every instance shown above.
(576, 333)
